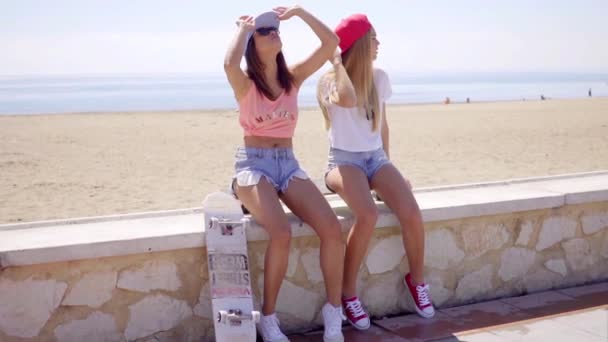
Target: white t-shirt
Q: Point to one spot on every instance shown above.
(350, 130)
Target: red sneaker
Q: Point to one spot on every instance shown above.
(355, 314)
(421, 296)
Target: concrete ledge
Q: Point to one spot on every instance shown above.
(85, 238)
(99, 238)
(577, 190)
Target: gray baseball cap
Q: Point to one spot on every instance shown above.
(266, 19)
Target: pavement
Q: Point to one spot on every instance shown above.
(574, 314)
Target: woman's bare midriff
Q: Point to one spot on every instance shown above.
(267, 142)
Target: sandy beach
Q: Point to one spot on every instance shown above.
(76, 165)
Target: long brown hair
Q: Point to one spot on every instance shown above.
(357, 61)
(255, 71)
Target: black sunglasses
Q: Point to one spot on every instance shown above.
(264, 31)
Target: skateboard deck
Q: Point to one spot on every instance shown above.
(228, 263)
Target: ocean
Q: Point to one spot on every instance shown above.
(21, 95)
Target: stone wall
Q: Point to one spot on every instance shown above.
(143, 277)
(165, 295)
(467, 260)
(109, 299)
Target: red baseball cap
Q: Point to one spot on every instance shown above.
(352, 28)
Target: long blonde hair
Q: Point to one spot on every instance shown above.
(359, 66)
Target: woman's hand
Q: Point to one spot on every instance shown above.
(247, 22)
(285, 13)
(336, 59)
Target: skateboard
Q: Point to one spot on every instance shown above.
(228, 263)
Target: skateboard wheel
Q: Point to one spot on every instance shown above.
(213, 223)
(222, 316)
(255, 315)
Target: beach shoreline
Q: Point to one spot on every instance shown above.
(101, 163)
(307, 108)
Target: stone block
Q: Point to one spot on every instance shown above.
(441, 250)
(525, 234)
(92, 290)
(554, 231)
(155, 313)
(153, 275)
(578, 254)
(515, 262)
(97, 327)
(312, 265)
(385, 255)
(27, 305)
(594, 223)
(558, 266)
(475, 284)
(481, 239)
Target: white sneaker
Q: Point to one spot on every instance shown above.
(269, 329)
(332, 319)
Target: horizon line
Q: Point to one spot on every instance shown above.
(403, 71)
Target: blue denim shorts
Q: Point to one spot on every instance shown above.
(277, 165)
(369, 161)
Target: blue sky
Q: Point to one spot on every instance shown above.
(134, 36)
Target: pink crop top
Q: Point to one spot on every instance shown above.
(260, 116)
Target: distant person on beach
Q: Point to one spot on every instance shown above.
(542, 97)
(352, 97)
(589, 92)
(468, 100)
(266, 169)
(446, 101)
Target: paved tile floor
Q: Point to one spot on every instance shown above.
(576, 314)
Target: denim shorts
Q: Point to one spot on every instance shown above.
(277, 165)
(369, 161)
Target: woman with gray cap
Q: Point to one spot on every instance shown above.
(266, 169)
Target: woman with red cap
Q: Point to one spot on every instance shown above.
(352, 97)
(266, 169)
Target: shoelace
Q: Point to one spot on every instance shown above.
(354, 307)
(423, 294)
(335, 323)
